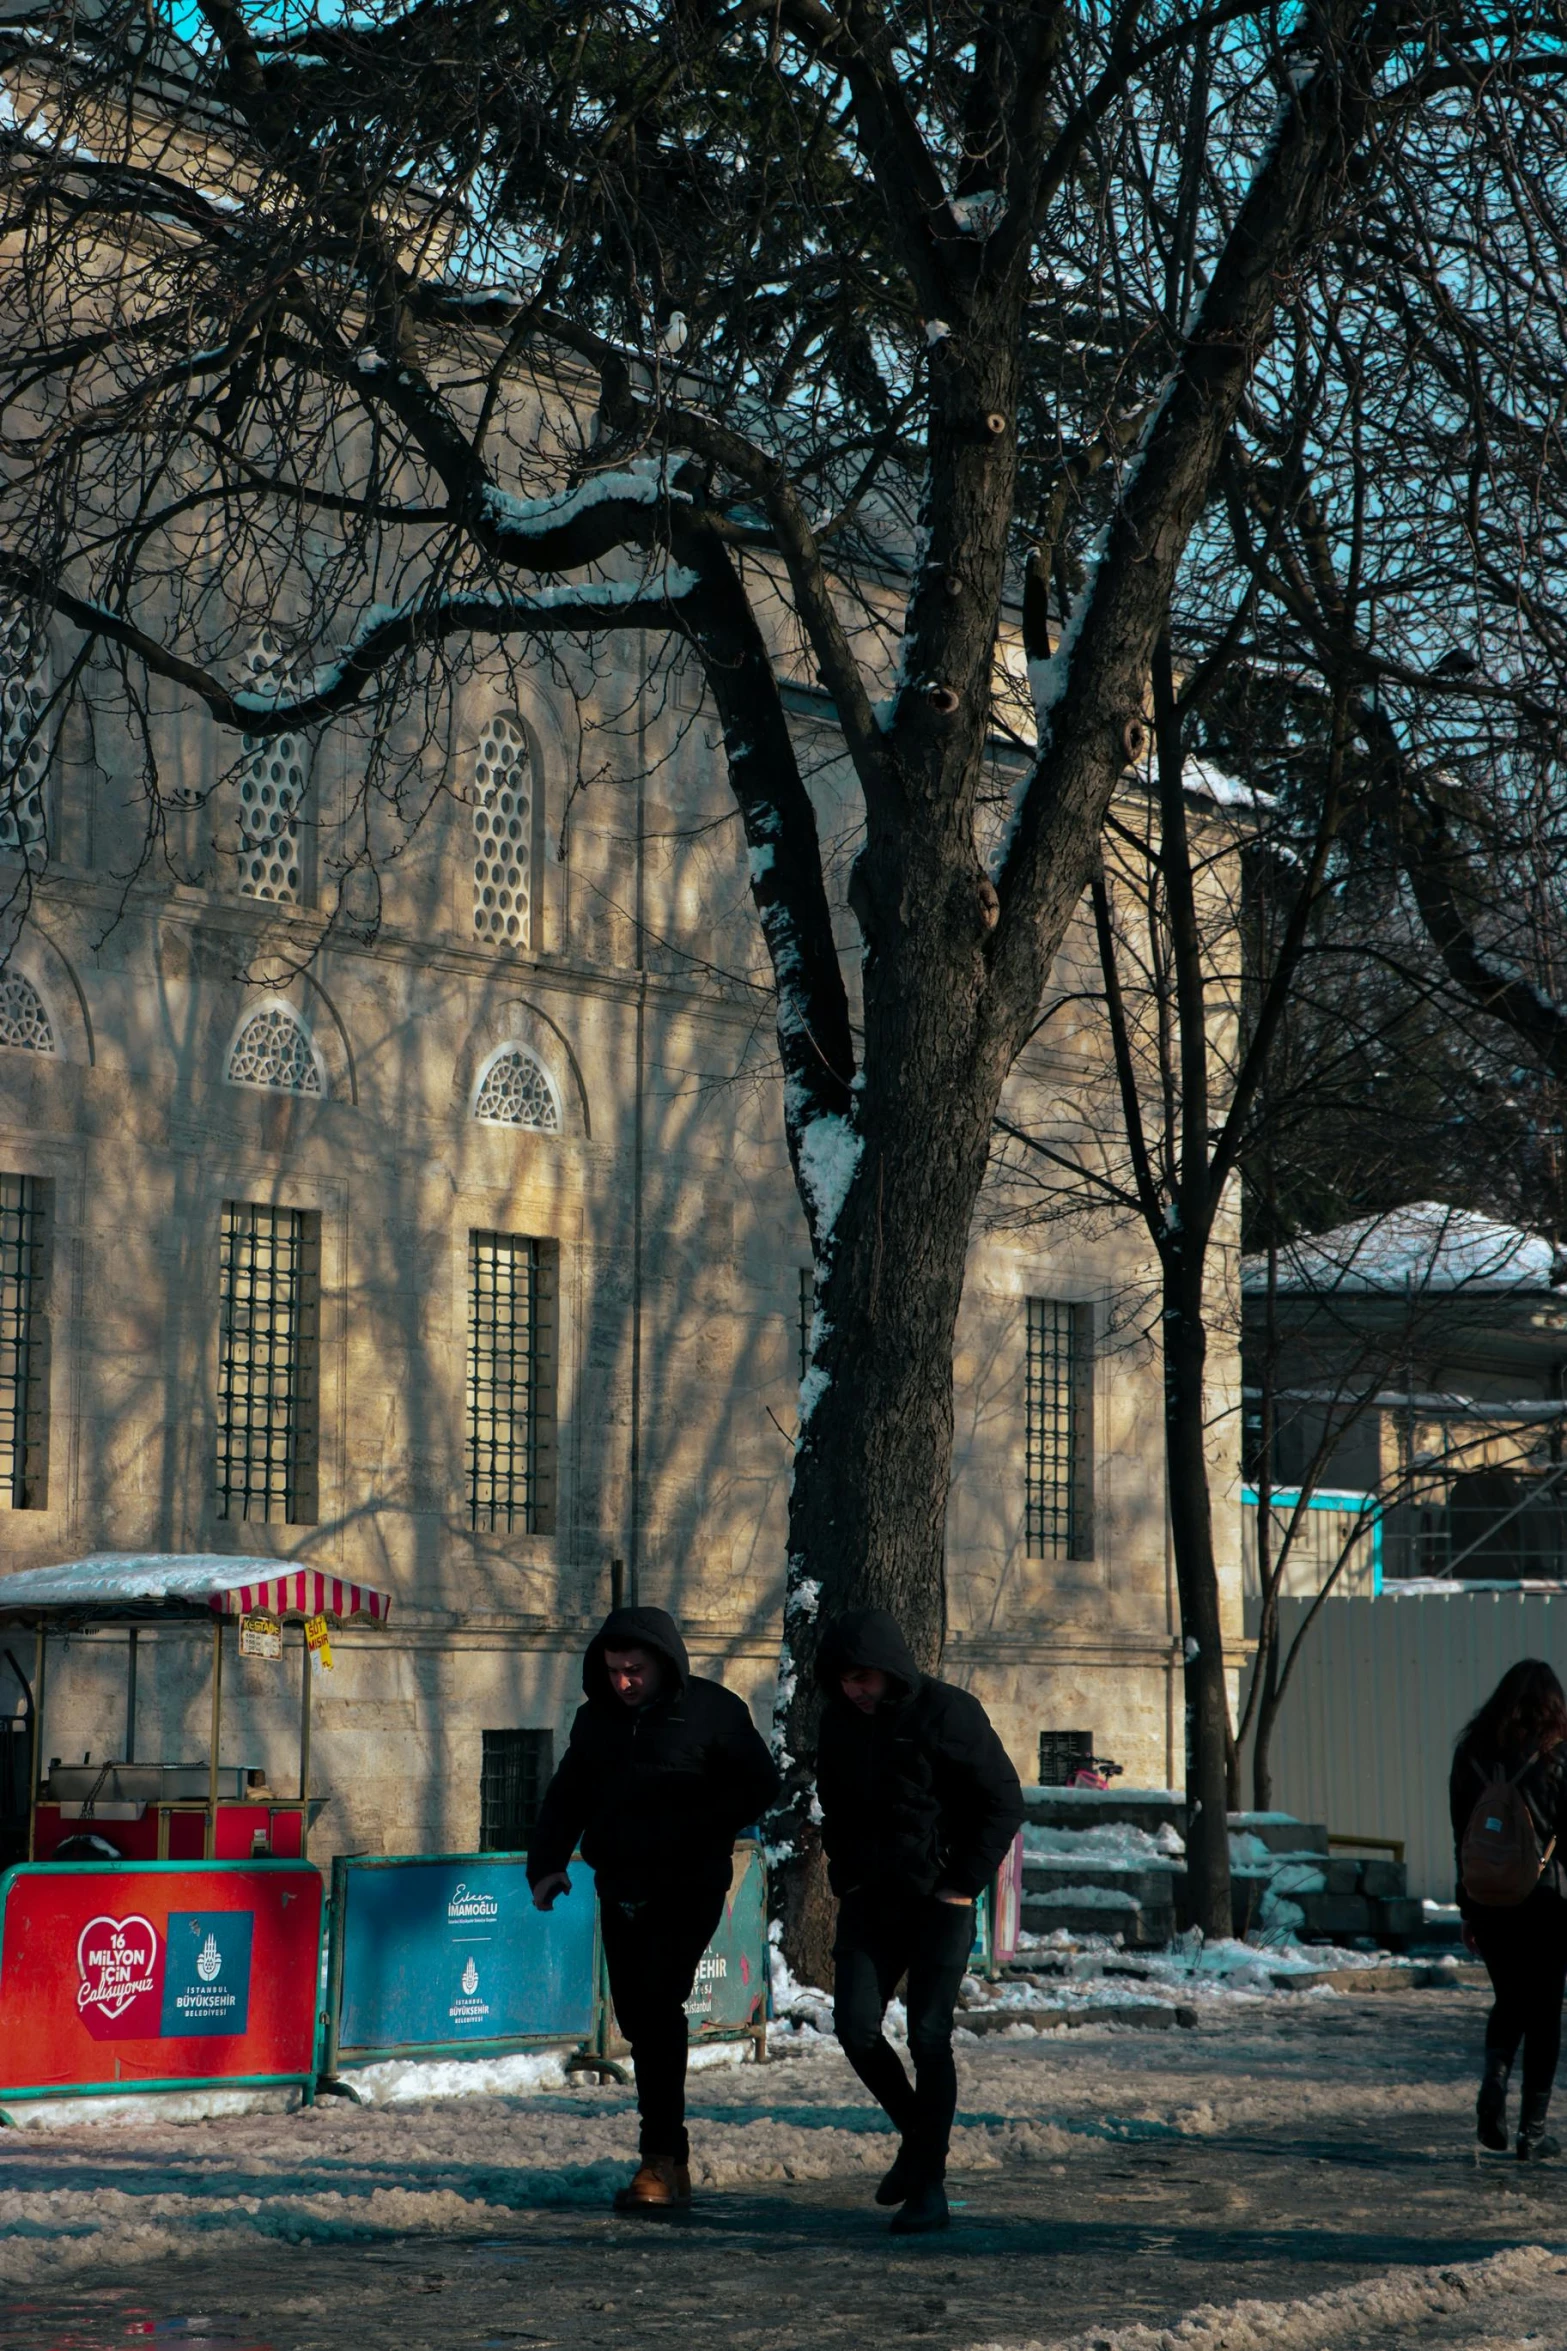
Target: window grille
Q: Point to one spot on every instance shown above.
(1061, 1753)
(268, 1363)
(273, 1051)
(502, 826)
(516, 1092)
(271, 787)
(23, 1020)
(26, 682)
(511, 1414)
(24, 1387)
(1058, 1497)
(513, 1776)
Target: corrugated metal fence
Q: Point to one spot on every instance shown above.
(1381, 1691)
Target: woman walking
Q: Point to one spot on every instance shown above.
(1508, 1797)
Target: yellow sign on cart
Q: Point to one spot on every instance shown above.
(319, 1646)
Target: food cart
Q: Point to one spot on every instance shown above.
(164, 1931)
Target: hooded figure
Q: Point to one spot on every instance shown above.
(919, 1806)
(661, 1773)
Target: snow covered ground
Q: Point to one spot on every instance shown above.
(1291, 2173)
(128, 2184)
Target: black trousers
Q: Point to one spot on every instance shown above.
(879, 1937)
(1525, 1953)
(651, 1948)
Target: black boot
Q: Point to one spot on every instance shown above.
(900, 2182)
(1491, 2105)
(925, 2211)
(1535, 2145)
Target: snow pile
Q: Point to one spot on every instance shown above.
(397, 2080)
(802, 2014)
(1404, 2298)
(1111, 1844)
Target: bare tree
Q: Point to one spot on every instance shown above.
(462, 324)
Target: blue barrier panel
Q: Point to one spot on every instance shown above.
(444, 1955)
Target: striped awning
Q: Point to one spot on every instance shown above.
(305, 1591)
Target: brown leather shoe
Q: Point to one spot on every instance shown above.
(660, 2185)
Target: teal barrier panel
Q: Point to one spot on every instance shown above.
(444, 1955)
(729, 2000)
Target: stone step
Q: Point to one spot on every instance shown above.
(1277, 1833)
(1150, 1809)
(1141, 1927)
(1052, 1874)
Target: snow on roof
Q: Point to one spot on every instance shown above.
(1207, 782)
(1424, 1246)
(179, 1583)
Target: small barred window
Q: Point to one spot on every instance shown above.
(502, 822)
(25, 682)
(271, 789)
(515, 1091)
(23, 1020)
(273, 1050)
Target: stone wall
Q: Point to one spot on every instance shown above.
(680, 1250)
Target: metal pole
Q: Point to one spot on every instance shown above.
(130, 1703)
(304, 1745)
(40, 1661)
(217, 1731)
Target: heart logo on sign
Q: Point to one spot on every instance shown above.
(115, 1958)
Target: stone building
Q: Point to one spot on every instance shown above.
(462, 1256)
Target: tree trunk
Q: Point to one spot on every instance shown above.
(1262, 1741)
(868, 1507)
(1208, 1741)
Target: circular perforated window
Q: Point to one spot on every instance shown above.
(271, 789)
(24, 754)
(502, 817)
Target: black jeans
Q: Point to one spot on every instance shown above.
(879, 1936)
(1525, 1953)
(651, 1948)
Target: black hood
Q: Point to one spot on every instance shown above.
(634, 1628)
(866, 1637)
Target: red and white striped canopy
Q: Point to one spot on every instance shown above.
(305, 1591)
(124, 1586)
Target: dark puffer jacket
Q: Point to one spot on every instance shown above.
(1543, 1788)
(655, 1795)
(918, 1795)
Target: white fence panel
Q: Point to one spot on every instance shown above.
(1383, 1687)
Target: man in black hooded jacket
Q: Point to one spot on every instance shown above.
(661, 1774)
(919, 1805)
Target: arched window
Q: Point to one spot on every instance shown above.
(273, 1051)
(516, 1090)
(23, 1020)
(25, 679)
(271, 789)
(502, 826)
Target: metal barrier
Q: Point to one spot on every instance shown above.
(171, 1975)
(444, 1955)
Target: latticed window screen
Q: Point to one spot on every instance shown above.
(24, 1388)
(268, 1362)
(272, 780)
(502, 834)
(511, 1403)
(1059, 1500)
(513, 1777)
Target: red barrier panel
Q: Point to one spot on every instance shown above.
(157, 1975)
